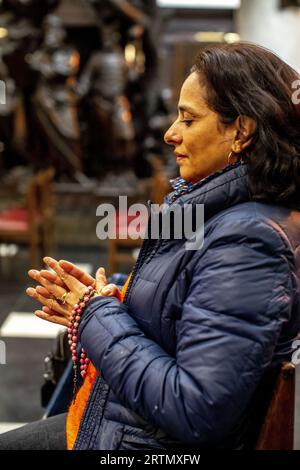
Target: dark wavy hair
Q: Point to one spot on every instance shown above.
(247, 79)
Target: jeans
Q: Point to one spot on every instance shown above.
(45, 434)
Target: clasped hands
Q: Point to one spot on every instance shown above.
(58, 291)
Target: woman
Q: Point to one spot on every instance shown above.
(186, 360)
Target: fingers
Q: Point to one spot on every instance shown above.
(49, 302)
(51, 317)
(51, 287)
(44, 292)
(52, 277)
(82, 276)
(71, 282)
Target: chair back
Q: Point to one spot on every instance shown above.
(34, 223)
(277, 432)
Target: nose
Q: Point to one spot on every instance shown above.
(172, 136)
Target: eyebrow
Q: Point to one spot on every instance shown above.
(186, 108)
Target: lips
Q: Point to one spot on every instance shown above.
(180, 157)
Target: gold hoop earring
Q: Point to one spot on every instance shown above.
(229, 157)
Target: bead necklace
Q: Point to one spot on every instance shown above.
(73, 337)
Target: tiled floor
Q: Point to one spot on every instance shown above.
(22, 375)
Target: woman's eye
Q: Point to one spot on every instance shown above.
(187, 122)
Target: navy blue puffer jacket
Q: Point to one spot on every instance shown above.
(183, 360)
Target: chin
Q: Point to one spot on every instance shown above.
(184, 174)
(192, 176)
(187, 176)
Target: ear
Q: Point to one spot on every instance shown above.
(245, 127)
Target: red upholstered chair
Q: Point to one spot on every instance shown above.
(32, 224)
(121, 250)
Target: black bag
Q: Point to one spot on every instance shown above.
(55, 364)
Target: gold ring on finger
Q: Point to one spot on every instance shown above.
(63, 299)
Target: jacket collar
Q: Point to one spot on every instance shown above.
(218, 193)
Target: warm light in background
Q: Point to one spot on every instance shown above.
(233, 4)
(130, 53)
(3, 33)
(216, 36)
(74, 61)
(209, 36)
(231, 37)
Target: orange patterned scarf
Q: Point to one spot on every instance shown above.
(77, 408)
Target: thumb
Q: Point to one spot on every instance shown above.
(109, 290)
(101, 280)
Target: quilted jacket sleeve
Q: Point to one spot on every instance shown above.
(239, 297)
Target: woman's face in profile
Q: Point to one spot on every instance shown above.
(201, 142)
